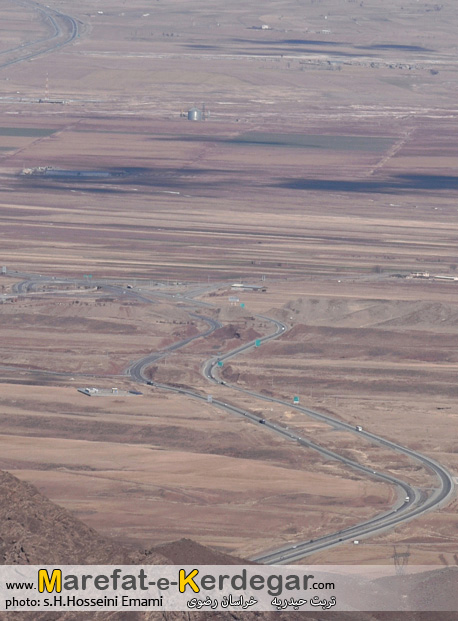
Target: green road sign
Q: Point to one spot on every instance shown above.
(296, 400)
(257, 342)
(220, 363)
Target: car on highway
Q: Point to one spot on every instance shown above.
(150, 383)
(358, 428)
(262, 421)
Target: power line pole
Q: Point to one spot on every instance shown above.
(401, 559)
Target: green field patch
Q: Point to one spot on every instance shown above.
(315, 141)
(27, 132)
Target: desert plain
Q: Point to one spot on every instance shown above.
(324, 170)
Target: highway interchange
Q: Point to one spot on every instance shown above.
(411, 502)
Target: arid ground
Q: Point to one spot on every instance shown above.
(325, 170)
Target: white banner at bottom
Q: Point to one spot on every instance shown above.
(208, 588)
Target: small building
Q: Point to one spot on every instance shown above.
(108, 392)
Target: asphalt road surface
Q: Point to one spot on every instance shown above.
(137, 369)
(412, 502)
(60, 22)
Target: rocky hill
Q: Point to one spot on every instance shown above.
(33, 530)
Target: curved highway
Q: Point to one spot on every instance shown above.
(413, 505)
(412, 502)
(56, 19)
(137, 369)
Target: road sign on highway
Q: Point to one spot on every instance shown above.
(210, 398)
(296, 400)
(220, 363)
(257, 342)
(242, 305)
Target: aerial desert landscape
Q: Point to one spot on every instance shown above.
(154, 155)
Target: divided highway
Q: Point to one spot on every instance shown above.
(137, 369)
(412, 502)
(60, 22)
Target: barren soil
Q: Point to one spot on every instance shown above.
(327, 164)
(138, 467)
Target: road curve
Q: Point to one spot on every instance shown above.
(136, 370)
(56, 18)
(413, 503)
